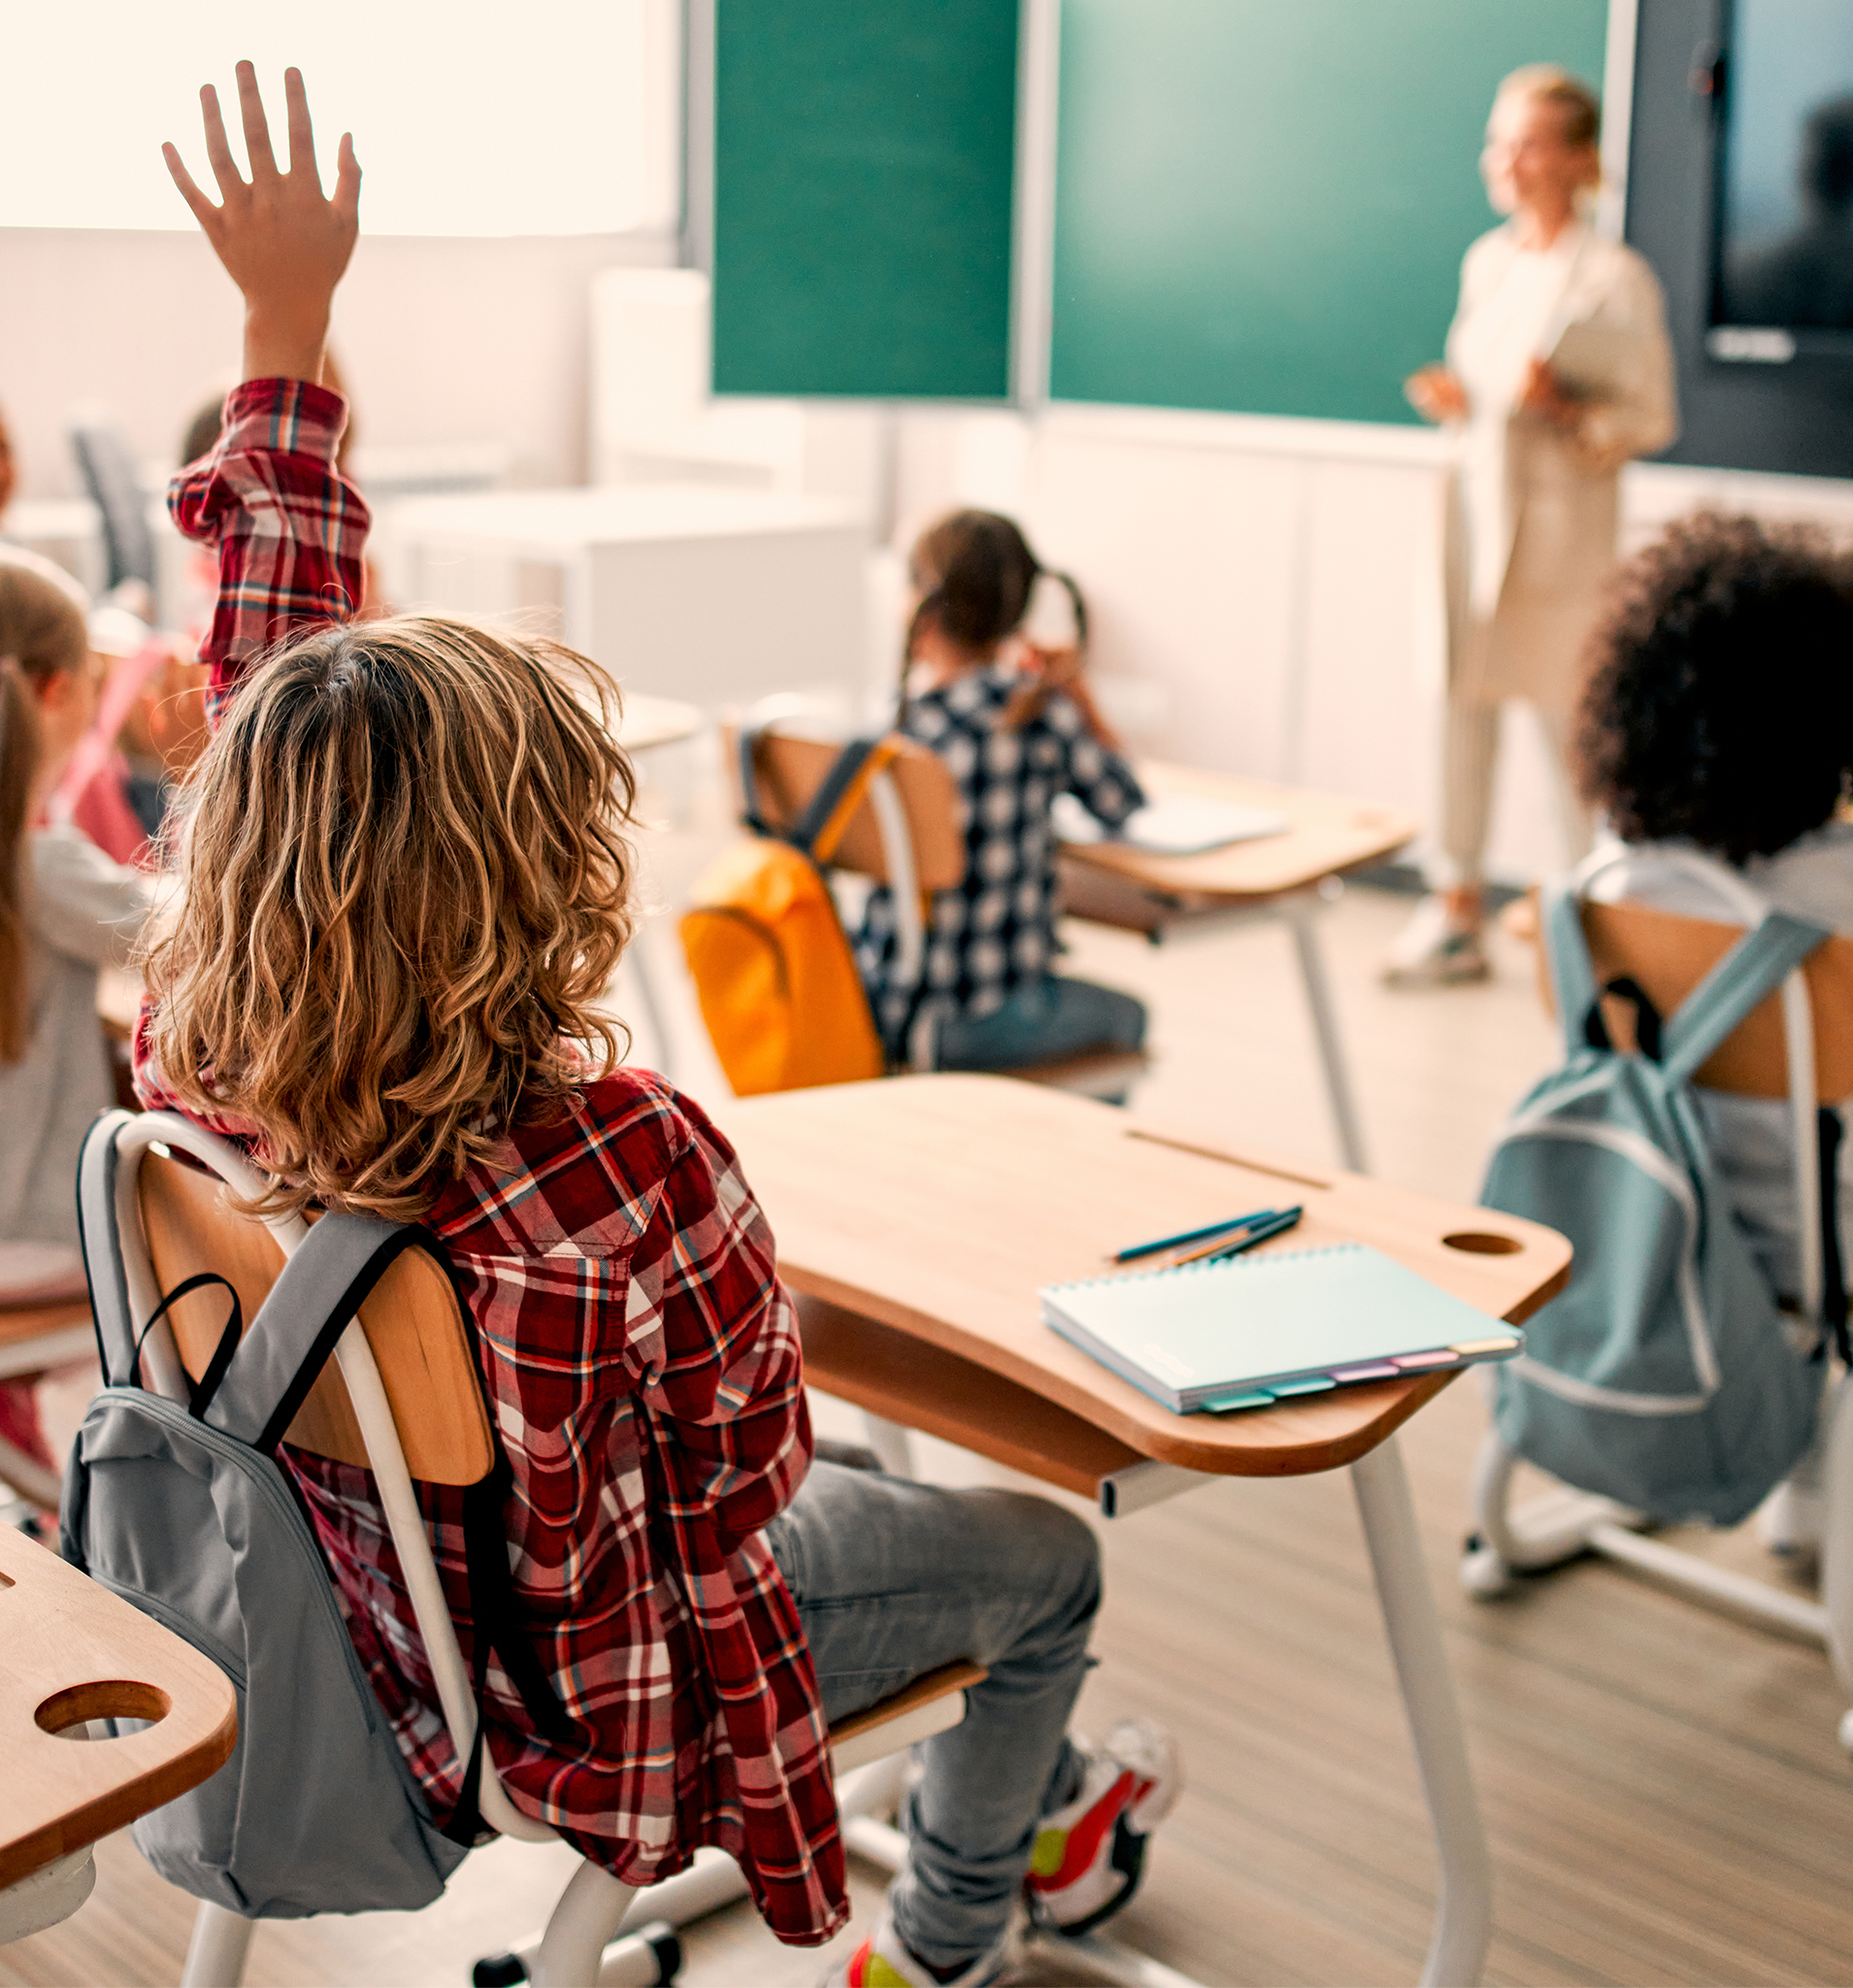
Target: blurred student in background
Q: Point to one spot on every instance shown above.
(1016, 726)
(1558, 371)
(66, 910)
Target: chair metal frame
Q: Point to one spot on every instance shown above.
(582, 1936)
(1566, 1524)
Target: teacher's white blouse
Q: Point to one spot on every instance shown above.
(1536, 507)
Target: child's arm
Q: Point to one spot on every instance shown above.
(289, 531)
(711, 1335)
(1099, 777)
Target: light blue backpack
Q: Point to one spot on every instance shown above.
(1662, 1375)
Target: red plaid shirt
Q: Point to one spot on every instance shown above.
(642, 1366)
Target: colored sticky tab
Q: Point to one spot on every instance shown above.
(1445, 1357)
(1378, 1370)
(1317, 1385)
(1499, 1345)
(1261, 1399)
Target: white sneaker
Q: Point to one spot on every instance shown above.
(1793, 1517)
(1090, 1854)
(1432, 951)
(884, 1961)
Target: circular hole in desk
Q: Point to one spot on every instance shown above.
(67, 1712)
(1483, 1243)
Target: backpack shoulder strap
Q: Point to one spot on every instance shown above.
(312, 1301)
(1572, 977)
(817, 830)
(1751, 971)
(310, 1304)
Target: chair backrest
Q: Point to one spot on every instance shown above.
(412, 1323)
(116, 489)
(1667, 956)
(791, 771)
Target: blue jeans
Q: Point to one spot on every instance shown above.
(893, 1579)
(1049, 1018)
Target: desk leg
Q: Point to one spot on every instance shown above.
(1464, 1915)
(1301, 912)
(215, 1956)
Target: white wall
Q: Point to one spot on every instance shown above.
(442, 341)
(1278, 582)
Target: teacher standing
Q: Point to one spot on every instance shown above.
(1535, 499)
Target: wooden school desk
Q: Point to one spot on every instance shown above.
(71, 1651)
(916, 1216)
(1281, 876)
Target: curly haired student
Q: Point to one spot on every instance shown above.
(407, 879)
(1719, 721)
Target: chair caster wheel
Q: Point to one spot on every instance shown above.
(1482, 1573)
(499, 1970)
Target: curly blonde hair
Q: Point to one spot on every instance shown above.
(406, 883)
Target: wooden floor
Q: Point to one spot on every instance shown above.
(1665, 1795)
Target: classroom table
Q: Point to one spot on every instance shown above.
(1288, 876)
(69, 1652)
(916, 1217)
(696, 590)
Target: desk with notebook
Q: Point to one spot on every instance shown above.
(1280, 876)
(918, 1217)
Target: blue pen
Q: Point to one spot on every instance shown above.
(1139, 1250)
(1277, 1225)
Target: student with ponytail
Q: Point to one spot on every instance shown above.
(1015, 724)
(65, 912)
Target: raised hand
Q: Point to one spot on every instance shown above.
(281, 241)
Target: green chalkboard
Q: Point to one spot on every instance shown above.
(1261, 205)
(864, 156)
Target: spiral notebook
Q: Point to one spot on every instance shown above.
(1253, 1330)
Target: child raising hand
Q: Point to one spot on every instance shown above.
(406, 883)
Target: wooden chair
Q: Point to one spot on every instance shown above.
(1797, 1045)
(906, 835)
(44, 1322)
(403, 1399)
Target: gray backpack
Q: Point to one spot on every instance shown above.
(1661, 1376)
(182, 1509)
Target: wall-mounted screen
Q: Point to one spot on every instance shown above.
(1782, 264)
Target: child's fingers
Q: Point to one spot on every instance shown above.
(250, 107)
(204, 211)
(302, 134)
(348, 182)
(218, 151)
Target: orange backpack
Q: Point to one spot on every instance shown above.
(773, 967)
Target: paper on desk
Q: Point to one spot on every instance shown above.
(1175, 825)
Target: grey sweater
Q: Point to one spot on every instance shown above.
(86, 912)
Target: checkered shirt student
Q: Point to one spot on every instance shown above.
(995, 933)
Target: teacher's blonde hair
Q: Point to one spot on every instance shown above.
(1545, 83)
(406, 883)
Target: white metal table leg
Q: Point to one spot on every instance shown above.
(1301, 914)
(215, 1954)
(1464, 1912)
